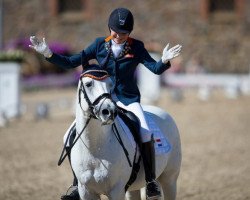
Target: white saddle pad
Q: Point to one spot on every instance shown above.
(162, 145)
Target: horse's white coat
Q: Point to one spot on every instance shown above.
(99, 161)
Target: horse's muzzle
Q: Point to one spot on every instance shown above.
(108, 116)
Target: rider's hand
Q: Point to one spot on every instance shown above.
(40, 46)
(171, 53)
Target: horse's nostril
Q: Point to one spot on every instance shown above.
(105, 112)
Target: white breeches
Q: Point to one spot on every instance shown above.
(138, 111)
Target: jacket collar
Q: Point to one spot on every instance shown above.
(129, 40)
(126, 50)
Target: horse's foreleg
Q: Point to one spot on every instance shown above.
(117, 192)
(85, 194)
(133, 195)
(168, 183)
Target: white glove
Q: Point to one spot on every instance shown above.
(171, 53)
(40, 46)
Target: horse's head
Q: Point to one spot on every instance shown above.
(94, 94)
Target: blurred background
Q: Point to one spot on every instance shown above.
(207, 89)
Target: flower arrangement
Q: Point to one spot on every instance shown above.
(11, 55)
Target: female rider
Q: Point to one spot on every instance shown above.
(120, 54)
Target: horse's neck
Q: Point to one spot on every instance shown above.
(94, 135)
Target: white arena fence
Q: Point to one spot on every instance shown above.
(220, 81)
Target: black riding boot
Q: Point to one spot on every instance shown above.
(148, 156)
(73, 195)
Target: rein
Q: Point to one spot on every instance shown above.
(63, 154)
(91, 109)
(118, 137)
(92, 105)
(66, 150)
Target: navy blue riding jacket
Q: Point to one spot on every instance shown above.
(120, 69)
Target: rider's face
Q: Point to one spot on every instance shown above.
(119, 38)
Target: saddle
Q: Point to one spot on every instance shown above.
(132, 122)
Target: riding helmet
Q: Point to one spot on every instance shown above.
(121, 20)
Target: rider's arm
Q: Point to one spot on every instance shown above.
(66, 62)
(154, 66)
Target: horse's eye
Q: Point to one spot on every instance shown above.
(89, 84)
